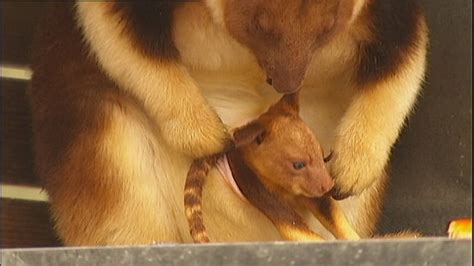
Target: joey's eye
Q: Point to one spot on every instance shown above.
(299, 165)
(259, 139)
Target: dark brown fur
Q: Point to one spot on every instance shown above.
(395, 34)
(151, 24)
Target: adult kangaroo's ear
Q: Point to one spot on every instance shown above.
(247, 134)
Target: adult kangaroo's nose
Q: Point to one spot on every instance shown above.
(286, 73)
(284, 81)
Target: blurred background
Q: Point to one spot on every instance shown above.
(431, 175)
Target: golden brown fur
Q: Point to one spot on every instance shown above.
(278, 172)
(125, 96)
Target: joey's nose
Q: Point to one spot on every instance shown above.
(320, 184)
(327, 185)
(326, 182)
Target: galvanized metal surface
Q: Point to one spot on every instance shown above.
(427, 251)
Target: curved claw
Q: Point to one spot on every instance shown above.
(329, 157)
(338, 195)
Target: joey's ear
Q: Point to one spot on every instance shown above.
(248, 133)
(289, 103)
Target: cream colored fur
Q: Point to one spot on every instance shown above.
(372, 124)
(360, 124)
(164, 89)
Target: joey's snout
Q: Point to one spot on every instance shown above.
(326, 183)
(319, 184)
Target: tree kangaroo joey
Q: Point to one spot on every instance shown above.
(126, 95)
(279, 166)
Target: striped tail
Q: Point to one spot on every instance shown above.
(193, 197)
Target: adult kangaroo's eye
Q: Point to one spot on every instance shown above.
(299, 165)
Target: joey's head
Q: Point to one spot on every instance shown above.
(281, 149)
(284, 34)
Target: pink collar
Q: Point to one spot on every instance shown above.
(226, 172)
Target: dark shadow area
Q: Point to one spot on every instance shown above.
(431, 178)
